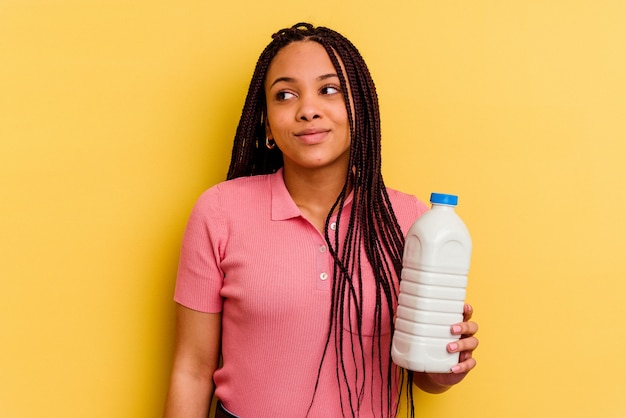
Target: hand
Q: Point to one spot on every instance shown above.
(465, 346)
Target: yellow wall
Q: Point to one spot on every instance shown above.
(115, 115)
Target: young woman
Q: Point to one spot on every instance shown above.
(290, 269)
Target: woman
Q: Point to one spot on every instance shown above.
(289, 270)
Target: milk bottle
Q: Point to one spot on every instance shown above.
(432, 290)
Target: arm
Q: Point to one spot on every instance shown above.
(196, 356)
(440, 382)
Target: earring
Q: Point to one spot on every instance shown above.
(270, 143)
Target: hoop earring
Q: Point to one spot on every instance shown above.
(270, 143)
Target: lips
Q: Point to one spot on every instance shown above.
(312, 135)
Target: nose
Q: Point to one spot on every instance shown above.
(309, 108)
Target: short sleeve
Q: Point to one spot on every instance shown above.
(200, 277)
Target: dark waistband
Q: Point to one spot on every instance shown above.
(221, 412)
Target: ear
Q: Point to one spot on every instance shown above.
(268, 130)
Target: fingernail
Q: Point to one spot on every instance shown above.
(456, 329)
(453, 346)
(455, 369)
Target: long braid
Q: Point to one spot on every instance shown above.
(368, 122)
(372, 224)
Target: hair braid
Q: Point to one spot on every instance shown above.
(371, 226)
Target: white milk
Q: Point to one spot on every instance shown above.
(432, 290)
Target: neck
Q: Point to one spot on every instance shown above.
(314, 191)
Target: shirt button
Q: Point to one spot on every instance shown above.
(324, 276)
(333, 226)
(322, 249)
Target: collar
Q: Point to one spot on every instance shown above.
(283, 206)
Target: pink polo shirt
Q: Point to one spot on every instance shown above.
(249, 253)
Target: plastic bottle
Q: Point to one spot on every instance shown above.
(435, 264)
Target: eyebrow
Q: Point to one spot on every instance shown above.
(293, 80)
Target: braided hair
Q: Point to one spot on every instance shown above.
(372, 225)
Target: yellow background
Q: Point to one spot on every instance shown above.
(115, 115)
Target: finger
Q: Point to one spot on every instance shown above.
(464, 366)
(468, 344)
(464, 328)
(468, 311)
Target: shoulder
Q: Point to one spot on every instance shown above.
(232, 191)
(406, 207)
(406, 202)
(231, 198)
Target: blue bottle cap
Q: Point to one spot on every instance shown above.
(444, 199)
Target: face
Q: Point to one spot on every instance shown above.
(306, 112)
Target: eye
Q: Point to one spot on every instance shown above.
(330, 89)
(283, 95)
